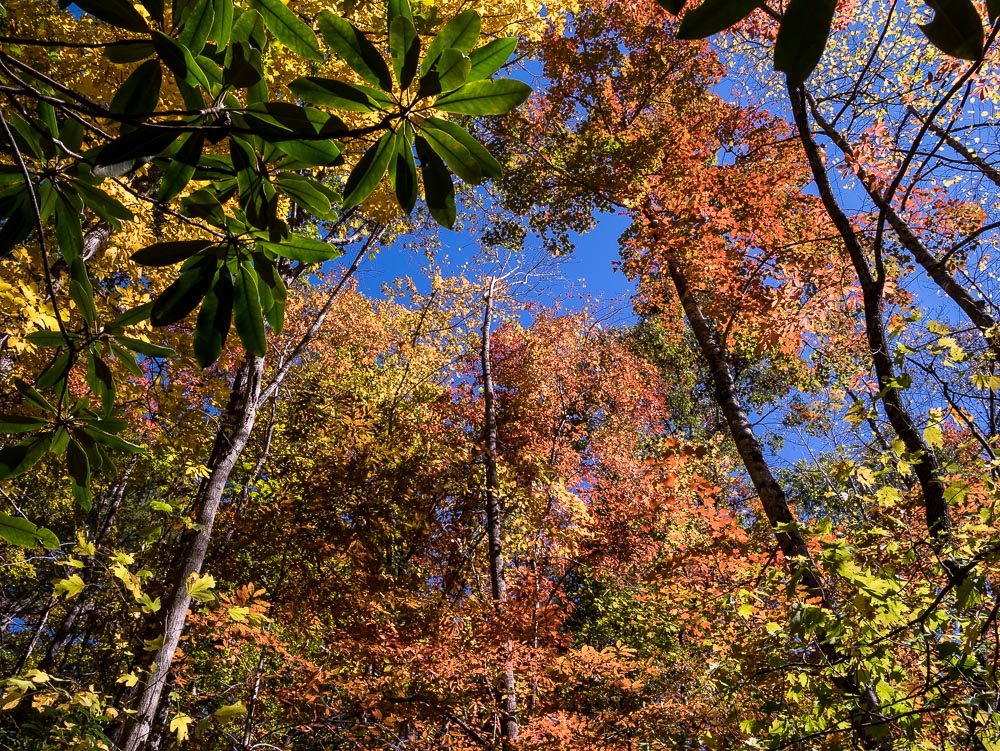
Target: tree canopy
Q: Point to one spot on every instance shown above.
(246, 505)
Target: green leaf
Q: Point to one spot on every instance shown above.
(179, 59)
(141, 91)
(56, 372)
(84, 302)
(287, 28)
(129, 152)
(27, 391)
(404, 49)
(169, 253)
(439, 191)
(488, 166)
(131, 316)
(352, 46)
(312, 153)
(222, 23)
(109, 440)
(802, 38)
(461, 33)
(712, 16)
(305, 194)
(247, 312)
(19, 458)
(21, 423)
(181, 168)
(77, 463)
(199, 18)
(489, 58)
(46, 338)
(24, 534)
(399, 9)
(305, 249)
(107, 208)
(145, 348)
(956, 29)
(403, 170)
(129, 52)
(120, 13)
(214, 320)
(183, 296)
(485, 97)
(455, 155)
(155, 8)
(69, 232)
(452, 69)
(339, 94)
(367, 173)
(251, 179)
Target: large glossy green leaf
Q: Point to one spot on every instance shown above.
(222, 23)
(181, 168)
(214, 319)
(130, 151)
(23, 423)
(355, 49)
(452, 69)
(304, 192)
(802, 38)
(23, 456)
(484, 97)
(368, 172)
(399, 9)
(956, 29)
(339, 94)
(107, 208)
(199, 16)
(183, 296)
(461, 33)
(129, 52)
(247, 312)
(155, 8)
(488, 166)
(672, 6)
(439, 190)
(171, 252)
(141, 91)
(146, 348)
(404, 49)
(489, 58)
(403, 170)
(120, 13)
(304, 249)
(712, 16)
(181, 62)
(455, 155)
(312, 153)
(24, 534)
(288, 28)
(251, 179)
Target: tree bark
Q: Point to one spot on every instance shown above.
(509, 729)
(925, 464)
(237, 424)
(869, 723)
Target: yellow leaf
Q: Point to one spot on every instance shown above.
(129, 679)
(199, 587)
(230, 712)
(180, 725)
(933, 436)
(71, 587)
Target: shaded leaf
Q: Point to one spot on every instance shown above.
(439, 191)
(120, 13)
(304, 249)
(712, 16)
(214, 320)
(488, 165)
(956, 29)
(339, 94)
(404, 49)
(352, 46)
(171, 252)
(141, 91)
(288, 28)
(129, 152)
(247, 312)
(367, 173)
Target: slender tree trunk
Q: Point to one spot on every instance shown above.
(509, 729)
(238, 422)
(869, 723)
(926, 467)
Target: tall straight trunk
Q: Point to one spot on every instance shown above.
(869, 723)
(237, 424)
(926, 467)
(509, 729)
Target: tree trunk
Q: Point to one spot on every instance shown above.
(237, 424)
(869, 723)
(509, 730)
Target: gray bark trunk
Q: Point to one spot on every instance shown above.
(238, 422)
(509, 729)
